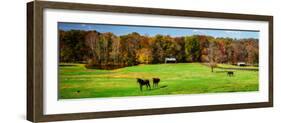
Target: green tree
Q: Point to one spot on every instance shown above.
(192, 49)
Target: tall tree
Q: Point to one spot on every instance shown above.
(94, 43)
(213, 55)
(192, 48)
(157, 49)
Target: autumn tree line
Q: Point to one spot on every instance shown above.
(107, 49)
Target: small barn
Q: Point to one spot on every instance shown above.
(170, 60)
(241, 64)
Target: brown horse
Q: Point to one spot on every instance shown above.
(155, 82)
(230, 73)
(143, 82)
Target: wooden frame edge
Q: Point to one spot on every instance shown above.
(30, 87)
(142, 112)
(271, 53)
(34, 62)
(153, 11)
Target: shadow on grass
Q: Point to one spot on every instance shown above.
(163, 86)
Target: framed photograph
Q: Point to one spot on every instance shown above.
(96, 61)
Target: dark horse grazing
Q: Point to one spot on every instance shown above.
(143, 82)
(155, 82)
(230, 73)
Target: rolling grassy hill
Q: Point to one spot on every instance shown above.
(75, 81)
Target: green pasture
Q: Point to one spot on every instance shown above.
(76, 81)
(234, 66)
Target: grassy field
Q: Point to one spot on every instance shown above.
(234, 66)
(183, 78)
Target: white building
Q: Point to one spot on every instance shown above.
(241, 64)
(170, 60)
